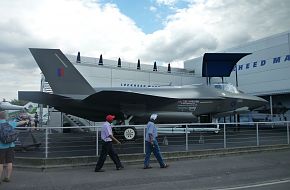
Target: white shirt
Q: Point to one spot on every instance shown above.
(106, 132)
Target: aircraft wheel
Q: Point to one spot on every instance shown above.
(129, 133)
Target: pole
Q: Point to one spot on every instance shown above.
(186, 138)
(46, 142)
(271, 110)
(97, 141)
(225, 137)
(257, 134)
(144, 136)
(40, 121)
(288, 133)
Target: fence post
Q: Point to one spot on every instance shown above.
(257, 134)
(288, 133)
(46, 142)
(97, 141)
(186, 138)
(144, 136)
(225, 136)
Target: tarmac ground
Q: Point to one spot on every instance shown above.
(259, 171)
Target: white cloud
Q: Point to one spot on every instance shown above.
(153, 9)
(70, 25)
(216, 25)
(166, 2)
(92, 29)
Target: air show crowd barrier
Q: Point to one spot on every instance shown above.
(53, 146)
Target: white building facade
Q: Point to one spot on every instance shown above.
(110, 75)
(264, 73)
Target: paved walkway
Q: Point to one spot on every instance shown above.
(267, 170)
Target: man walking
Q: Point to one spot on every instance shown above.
(107, 146)
(151, 144)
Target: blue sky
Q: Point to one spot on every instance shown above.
(149, 15)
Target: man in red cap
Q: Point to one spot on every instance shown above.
(107, 146)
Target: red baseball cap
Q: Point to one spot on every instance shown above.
(110, 118)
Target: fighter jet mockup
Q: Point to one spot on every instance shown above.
(74, 95)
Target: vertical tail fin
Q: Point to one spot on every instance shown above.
(60, 73)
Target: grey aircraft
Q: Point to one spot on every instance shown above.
(72, 94)
(4, 105)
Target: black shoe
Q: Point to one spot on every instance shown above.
(120, 168)
(99, 170)
(147, 167)
(165, 166)
(6, 179)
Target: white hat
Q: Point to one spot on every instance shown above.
(153, 116)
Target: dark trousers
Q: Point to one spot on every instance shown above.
(107, 148)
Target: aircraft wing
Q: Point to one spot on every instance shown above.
(124, 97)
(68, 105)
(96, 106)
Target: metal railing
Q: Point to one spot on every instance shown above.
(51, 142)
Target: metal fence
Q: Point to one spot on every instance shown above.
(52, 142)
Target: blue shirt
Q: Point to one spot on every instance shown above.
(151, 129)
(2, 145)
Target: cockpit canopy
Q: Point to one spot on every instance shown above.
(226, 87)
